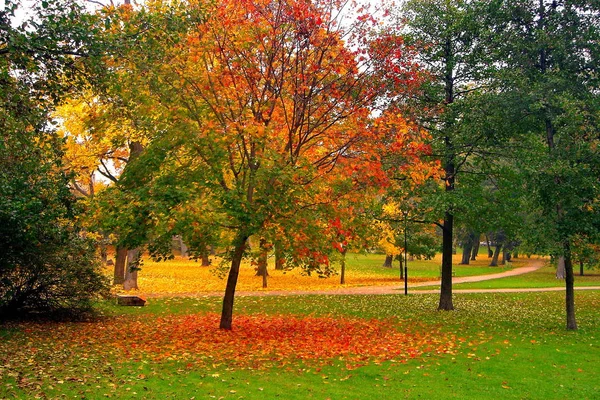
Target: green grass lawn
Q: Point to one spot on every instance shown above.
(542, 278)
(372, 264)
(508, 346)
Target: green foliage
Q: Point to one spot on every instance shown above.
(46, 264)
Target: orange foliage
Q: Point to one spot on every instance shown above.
(258, 342)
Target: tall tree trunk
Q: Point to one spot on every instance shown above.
(343, 269)
(182, 247)
(581, 267)
(570, 290)
(475, 251)
(489, 246)
(131, 272)
(279, 260)
(388, 261)
(560, 268)
(401, 262)
(505, 255)
(261, 270)
(119, 271)
(494, 262)
(467, 247)
(446, 287)
(232, 278)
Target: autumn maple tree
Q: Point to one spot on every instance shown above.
(255, 113)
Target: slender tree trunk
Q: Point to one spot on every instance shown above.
(446, 287)
(401, 262)
(475, 251)
(560, 268)
(388, 261)
(343, 269)
(119, 271)
(580, 267)
(570, 290)
(467, 247)
(131, 272)
(505, 255)
(183, 249)
(279, 260)
(234, 271)
(494, 262)
(103, 253)
(262, 262)
(489, 246)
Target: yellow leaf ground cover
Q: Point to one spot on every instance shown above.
(182, 276)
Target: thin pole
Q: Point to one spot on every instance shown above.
(405, 257)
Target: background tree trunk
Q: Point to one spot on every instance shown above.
(570, 290)
(205, 259)
(475, 251)
(182, 247)
(560, 268)
(131, 272)
(489, 246)
(261, 270)
(401, 262)
(580, 267)
(279, 260)
(494, 262)
(388, 261)
(467, 248)
(119, 270)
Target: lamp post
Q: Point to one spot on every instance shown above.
(405, 254)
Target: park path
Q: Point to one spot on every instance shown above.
(413, 288)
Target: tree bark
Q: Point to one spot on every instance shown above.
(494, 262)
(467, 248)
(580, 267)
(131, 272)
(489, 246)
(570, 290)
(560, 268)
(475, 251)
(261, 270)
(279, 260)
(446, 287)
(119, 270)
(401, 262)
(182, 247)
(388, 261)
(232, 278)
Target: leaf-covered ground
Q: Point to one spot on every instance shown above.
(183, 276)
(298, 347)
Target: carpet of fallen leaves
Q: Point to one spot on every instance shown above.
(183, 276)
(62, 351)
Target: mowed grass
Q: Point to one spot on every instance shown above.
(509, 346)
(184, 276)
